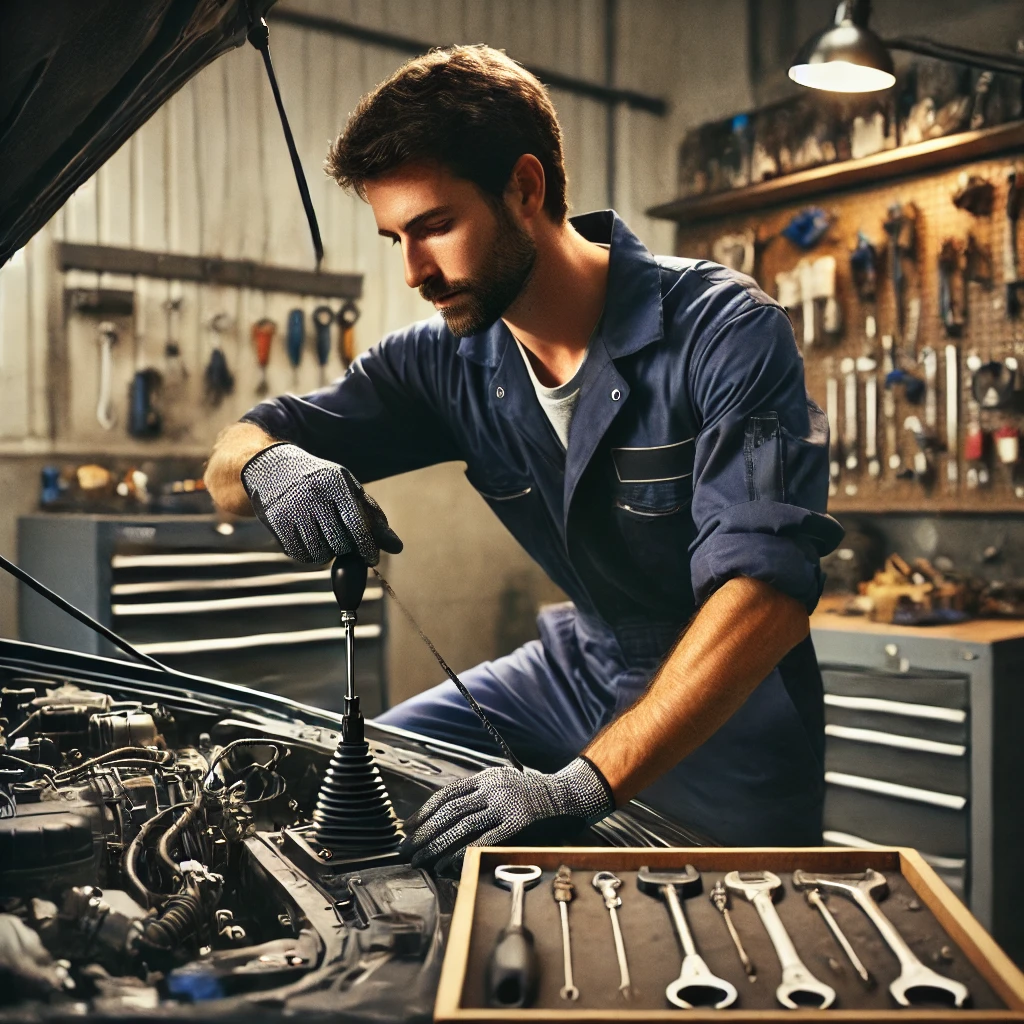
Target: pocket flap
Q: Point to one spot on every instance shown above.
(653, 465)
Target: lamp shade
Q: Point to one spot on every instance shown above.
(844, 58)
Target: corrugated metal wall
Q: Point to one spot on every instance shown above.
(209, 174)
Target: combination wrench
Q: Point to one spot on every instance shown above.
(695, 976)
(512, 972)
(563, 890)
(757, 887)
(914, 975)
(608, 885)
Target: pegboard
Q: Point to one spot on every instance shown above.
(988, 332)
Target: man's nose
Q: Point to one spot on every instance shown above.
(419, 267)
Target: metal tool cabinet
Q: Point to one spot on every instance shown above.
(925, 748)
(216, 600)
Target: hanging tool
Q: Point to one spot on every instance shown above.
(1007, 444)
(930, 362)
(104, 404)
(512, 972)
(815, 899)
(977, 264)
(262, 336)
(295, 338)
(825, 288)
(848, 368)
(901, 227)
(914, 976)
(864, 268)
(218, 380)
(144, 418)
(974, 437)
(974, 194)
(889, 405)
(564, 892)
(348, 316)
(737, 250)
(952, 287)
(922, 463)
(323, 318)
(608, 886)
(992, 385)
(758, 887)
(695, 979)
(1011, 274)
(832, 415)
(719, 896)
(807, 228)
(175, 370)
(952, 402)
(871, 426)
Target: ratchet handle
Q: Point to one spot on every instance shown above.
(512, 970)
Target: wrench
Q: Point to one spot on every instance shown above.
(832, 415)
(607, 884)
(914, 975)
(695, 974)
(952, 429)
(889, 404)
(512, 968)
(564, 891)
(757, 887)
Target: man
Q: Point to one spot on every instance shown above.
(639, 424)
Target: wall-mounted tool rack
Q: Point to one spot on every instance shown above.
(172, 266)
(857, 196)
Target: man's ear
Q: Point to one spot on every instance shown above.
(526, 187)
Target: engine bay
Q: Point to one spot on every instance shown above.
(151, 859)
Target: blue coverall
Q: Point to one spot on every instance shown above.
(695, 455)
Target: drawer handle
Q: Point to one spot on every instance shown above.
(891, 739)
(277, 579)
(919, 796)
(834, 838)
(207, 558)
(239, 643)
(232, 604)
(896, 707)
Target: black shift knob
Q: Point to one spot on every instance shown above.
(348, 578)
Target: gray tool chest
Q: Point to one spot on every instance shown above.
(923, 749)
(214, 599)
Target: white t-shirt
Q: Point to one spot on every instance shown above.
(559, 403)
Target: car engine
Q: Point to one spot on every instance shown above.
(150, 860)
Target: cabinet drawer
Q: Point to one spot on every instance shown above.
(924, 764)
(917, 721)
(926, 820)
(937, 689)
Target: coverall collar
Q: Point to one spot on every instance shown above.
(632, 307)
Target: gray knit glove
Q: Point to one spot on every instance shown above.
(316, 509)
(501, 805)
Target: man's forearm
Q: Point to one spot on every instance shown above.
(235, 446)
(740, 634)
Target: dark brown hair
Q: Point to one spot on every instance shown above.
(471, 109)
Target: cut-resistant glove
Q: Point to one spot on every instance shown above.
(316, 509)
(499, 805)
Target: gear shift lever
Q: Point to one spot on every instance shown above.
(353, 815)
(348, 579)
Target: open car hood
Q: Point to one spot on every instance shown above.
(77, 79)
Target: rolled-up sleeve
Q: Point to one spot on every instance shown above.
(760, 479)
(383, 417)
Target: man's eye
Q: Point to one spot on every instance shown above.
(438, 229)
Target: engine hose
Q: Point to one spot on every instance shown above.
(145, 895)
(181, 917)
(182, 822)
(146, 754)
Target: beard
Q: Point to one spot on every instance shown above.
(502, 277)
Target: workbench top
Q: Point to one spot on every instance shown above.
(976, 631)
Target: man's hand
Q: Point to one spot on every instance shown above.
(499, 805)
(316, 509)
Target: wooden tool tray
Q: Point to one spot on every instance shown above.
(938, 928)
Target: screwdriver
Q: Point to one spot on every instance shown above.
(262, 335)
(295, 338)
(323, 317)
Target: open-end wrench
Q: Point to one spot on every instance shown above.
(564, 891)
(914, 975)
(952, 424)
(816, 900)
(695, 979)
(608, 884)
(512, 968)
(797, 980)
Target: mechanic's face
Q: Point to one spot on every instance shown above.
(467, 256)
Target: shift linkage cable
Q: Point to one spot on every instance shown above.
(470, 699)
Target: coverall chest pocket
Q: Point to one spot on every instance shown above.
(653, 488)
(518, 504)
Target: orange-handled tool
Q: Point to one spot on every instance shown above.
(347, 317)
(262, 335)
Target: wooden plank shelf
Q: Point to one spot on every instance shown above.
(879, 167)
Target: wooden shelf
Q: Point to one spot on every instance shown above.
(885, 166)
